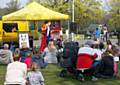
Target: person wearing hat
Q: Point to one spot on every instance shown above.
(6, 55)
(16, 72)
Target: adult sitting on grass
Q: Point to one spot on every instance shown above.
(85, 60)
(6, 55)
(50, 53)
(106, 68)
(98, 52)
(16, 72)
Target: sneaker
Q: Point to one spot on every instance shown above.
(94, 78)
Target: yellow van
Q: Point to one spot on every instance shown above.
(9, 30)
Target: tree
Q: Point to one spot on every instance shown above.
(115, 14)
(12, 6)
(86, 11)
(3, 11)
(34, 0)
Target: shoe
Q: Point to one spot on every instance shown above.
(94, 78)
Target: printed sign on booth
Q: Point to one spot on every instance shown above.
(24, 40)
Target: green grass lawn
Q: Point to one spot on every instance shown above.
(51, 78)
(2, 74)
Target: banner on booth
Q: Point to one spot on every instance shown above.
(24, 40)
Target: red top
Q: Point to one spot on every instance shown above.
(85, 61)
(28, 62)
(56, 29)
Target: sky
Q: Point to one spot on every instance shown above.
(105, 4)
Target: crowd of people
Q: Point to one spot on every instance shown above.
(26, 63)
(99, 58)
(101, 33)
(94, 57)
(23, 67)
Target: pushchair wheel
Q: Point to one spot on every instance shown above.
(63, 73)
(80, 77)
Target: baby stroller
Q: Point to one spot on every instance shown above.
(70, 51)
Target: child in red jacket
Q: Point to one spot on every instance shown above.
(28, 60)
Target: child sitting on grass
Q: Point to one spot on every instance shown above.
(28, 60)
(34, 76)
(39, 59)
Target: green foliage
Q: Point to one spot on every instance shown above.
(57, 5)
(115, 4)
(86, 11)
(114, 20)
(3, 11)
